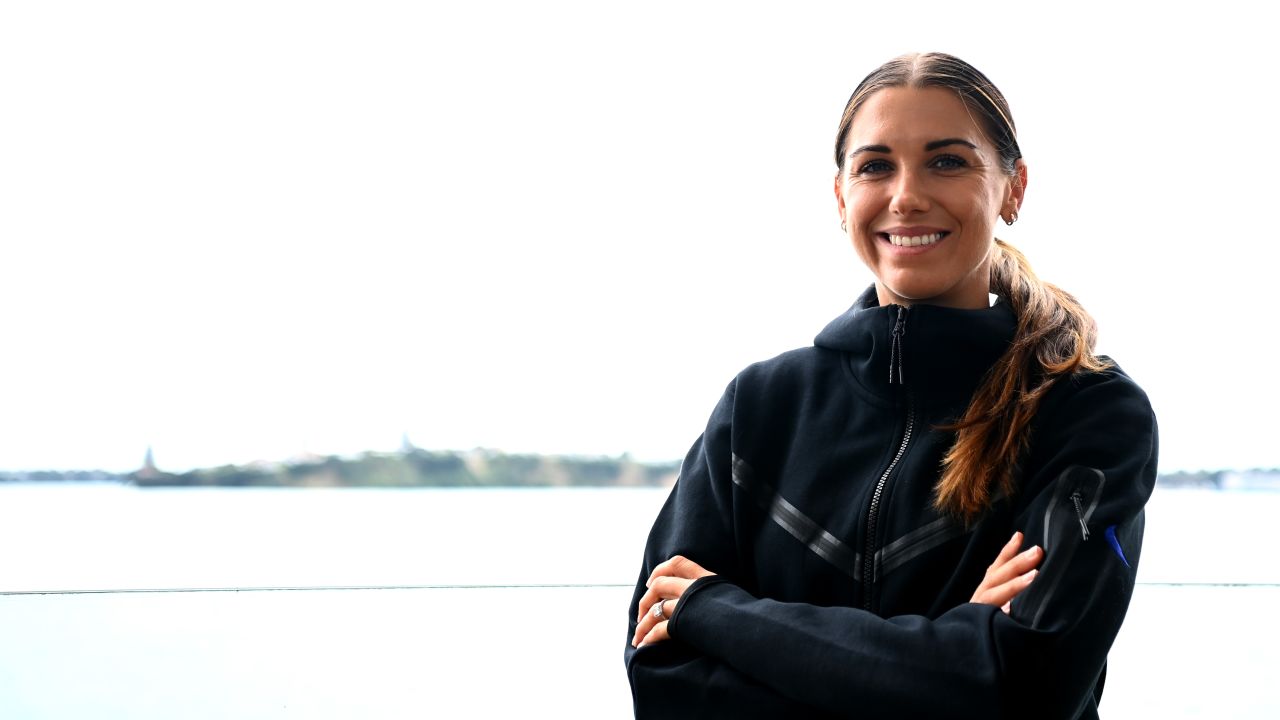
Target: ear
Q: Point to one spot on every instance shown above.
(839, 196)
(1018, 186)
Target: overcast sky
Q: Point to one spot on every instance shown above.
(256, 230)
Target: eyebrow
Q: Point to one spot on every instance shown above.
(928, 147)
(870, 148)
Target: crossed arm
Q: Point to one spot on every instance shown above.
(1006, 577)
(1043, 655)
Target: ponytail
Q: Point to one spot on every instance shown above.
(1055, 338)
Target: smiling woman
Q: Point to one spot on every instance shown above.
(887, 524)
(918, 157)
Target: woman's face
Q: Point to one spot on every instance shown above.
(920, 193)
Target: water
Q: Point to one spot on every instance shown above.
(436, 649)
(117, 536)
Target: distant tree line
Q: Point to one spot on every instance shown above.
(1203, 478)
(425, 468)
(60, 476)
(474, 468)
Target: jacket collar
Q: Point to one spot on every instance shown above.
(939, 353)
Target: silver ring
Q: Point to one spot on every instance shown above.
(657, 610)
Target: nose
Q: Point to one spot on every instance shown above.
(909, 194)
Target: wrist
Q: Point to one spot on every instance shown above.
(689, 594)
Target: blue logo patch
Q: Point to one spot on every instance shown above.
(1115, 545)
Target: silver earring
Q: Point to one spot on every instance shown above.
(1013, 218)
(844, 226)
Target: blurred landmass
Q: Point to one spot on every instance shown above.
(415, 467)
(412, 467)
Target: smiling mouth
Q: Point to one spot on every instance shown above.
(913, 240)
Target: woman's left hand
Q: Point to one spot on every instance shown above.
(666, 584)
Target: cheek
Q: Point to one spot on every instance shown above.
(975, 212)
(987, 204)
(862, 209)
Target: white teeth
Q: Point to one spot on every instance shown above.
(912, 241)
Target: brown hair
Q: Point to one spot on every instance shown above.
(1055, 336)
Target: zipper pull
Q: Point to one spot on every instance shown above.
(895, 348)
(1084, 529)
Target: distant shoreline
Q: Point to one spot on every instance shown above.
(415, 467)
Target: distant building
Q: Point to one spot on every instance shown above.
(148, 470)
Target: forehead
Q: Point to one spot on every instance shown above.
(906, 118)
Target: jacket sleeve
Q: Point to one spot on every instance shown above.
(1083, 501)
(672, 680)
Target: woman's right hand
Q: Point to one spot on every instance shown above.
(1009, 575)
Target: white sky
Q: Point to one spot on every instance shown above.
(252, 230)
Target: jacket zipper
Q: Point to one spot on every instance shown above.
(895, 347)
(1076, 499)
(873, 512)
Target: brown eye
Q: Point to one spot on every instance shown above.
(949, 162)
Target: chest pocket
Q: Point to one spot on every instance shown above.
(1065, 527)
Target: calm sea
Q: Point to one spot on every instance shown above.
(500, 603)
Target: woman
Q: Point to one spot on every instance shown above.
(937, 510)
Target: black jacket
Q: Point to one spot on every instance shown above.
(840, 591)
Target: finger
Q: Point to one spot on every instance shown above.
(646, 603)
(657, 634)
(678, 566)
(1004, 593)
(666, 588)
(1005, 608)
(1014, 567)
(643, 626)
(1013, 571)
(1002, 569)
(1009, 550)
(1021, 563)
(648, 622)
(666, 568)
(670, 587)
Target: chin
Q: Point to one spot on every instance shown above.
(914, 292)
